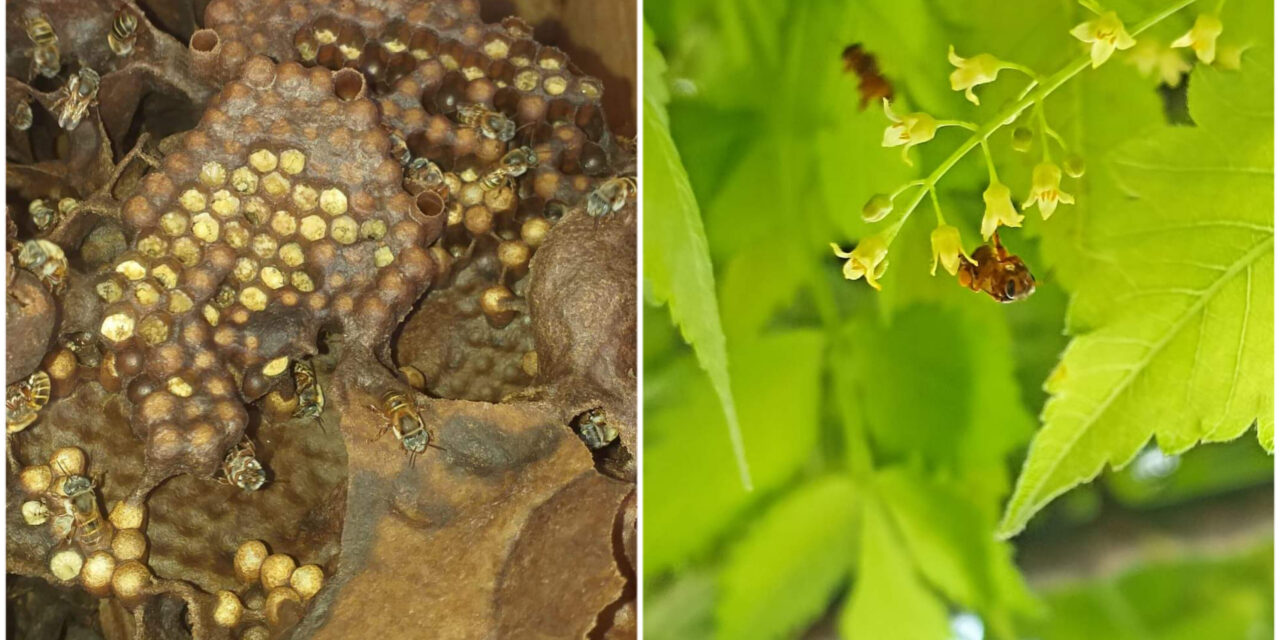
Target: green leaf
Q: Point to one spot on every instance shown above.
(683, 609)
(677, 266)
(692, 494)
(889, 600)
(783, 572)
(1192, 599)
(950, 538)
(1182, 340)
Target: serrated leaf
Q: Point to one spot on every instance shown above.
(1184, 348)
(783, 572)
(889, 600)
(677, 265)
(692, 494)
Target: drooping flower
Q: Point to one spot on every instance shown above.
(1203, 37)
(999, 211)
(971, 72)
(1151, 56)
(867, 260)
(907, 131)
(947, 249)
(1045, 191)
(1106, 33)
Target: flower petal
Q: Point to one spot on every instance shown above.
(1100, 51)
(1083, 32)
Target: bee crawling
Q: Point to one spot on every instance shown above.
(998, 273)
(46, 59)
(490, 124)
(310, 395)
(594, 429)
(77, 513)
(241, 467)
(46, 260)
(24, 400)
(610, 196)
(123, 32)
(75, 98)
(512, 165)
(404, 421)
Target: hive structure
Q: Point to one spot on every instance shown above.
(281, 215)
(427, 64)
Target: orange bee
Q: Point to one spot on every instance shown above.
(998, 273)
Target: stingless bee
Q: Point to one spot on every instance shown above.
(46, 260)
(124, 31)
(594, 429)
(46, 59)
(399, 149)
(241, 467)
(404, 421)
(42, 215)
(421, 175)
(24, 400)
(84, 345)
(75, 98)
(80, 513)
(21, 116)
(514, 164)
(310, 395)
(998, 273)
(490, 124)
(610, 196)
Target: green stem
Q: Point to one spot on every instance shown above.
(937, 208)
(991, 164)
(1044, 131)
(1009, 113)
(1031, 73)
(957, 123)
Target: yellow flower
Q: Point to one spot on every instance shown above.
(1106, 33)
(971, 72)
(1044, 189)
(867, 260)
(1150, 56)
(947, 249)
(908, 131)
(1203, 37)
(999, 210)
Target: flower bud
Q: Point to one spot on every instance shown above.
(879, 206)
(1022, 138)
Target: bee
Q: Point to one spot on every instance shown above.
(84, 345)
(24, 400)
(46, 59)
(403, 421)
(400, 149)
(310, 395)
(123, 32)
(872, 85)
(21, 117)
(594, 429)
(42, 215)
(998, 273)
(80, 513)
(490, 124)
(514, 164)
(46, 260)
(421, 175)
(610, 196)
(75, 98)
(241, 467)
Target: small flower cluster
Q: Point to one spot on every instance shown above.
(1104, 34)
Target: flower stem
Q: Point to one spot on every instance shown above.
(1013, 110)
(991, 164)
(937, 208)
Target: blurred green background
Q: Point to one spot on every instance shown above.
(884, 430)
